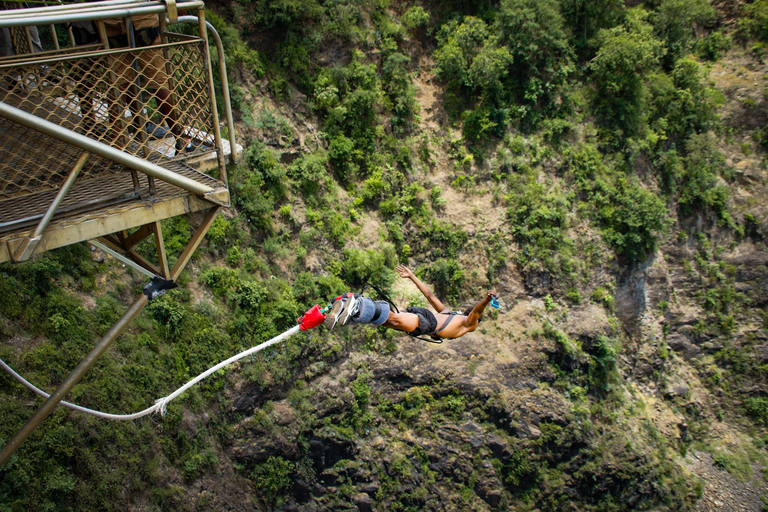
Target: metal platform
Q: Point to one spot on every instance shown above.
(99, 206)
(80, 154)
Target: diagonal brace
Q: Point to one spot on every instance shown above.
(29, 244)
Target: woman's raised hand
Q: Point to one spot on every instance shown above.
(403, 271)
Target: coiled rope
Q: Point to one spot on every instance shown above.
(161, 403)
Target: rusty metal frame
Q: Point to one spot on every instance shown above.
(107, 227)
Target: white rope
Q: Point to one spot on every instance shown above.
(160, 403)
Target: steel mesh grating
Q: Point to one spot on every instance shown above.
(110, 96)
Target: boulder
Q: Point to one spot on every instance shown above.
(683, 345)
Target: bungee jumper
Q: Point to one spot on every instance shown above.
(416, 321)
(347, 309)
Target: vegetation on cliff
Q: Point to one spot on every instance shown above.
(601, 165)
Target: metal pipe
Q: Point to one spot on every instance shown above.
(73, 378)
(62, 192)
(72, 7)
(122, 258)
(212, 94)
(224, 85)
(98, 148)
(28, 245)
(89, 7)
(26, 19)
(55, 37)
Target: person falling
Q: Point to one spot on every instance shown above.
(416, 321)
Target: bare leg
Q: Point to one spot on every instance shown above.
(164, 104)
(402, 321)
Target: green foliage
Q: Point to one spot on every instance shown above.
(448, 277)
(624, 54)
(538, 215)
(273, 124)
(754, 21)
(514, 68)
(273, 478)
(631, 217)
(699, 183)
(406, 203)
(397, 83)
(415, 17)
(443, 239)
(680, 105)
(369, 266)
(348, 97)
(534, 35)
(310, 174)
(603, 365)
(360, 416)
(170, 313)
(713, 46)
(520, 471)
(635, 222)
(675, 24)
(221, 233)
(257, 189)
(757, 408)
(585, 18)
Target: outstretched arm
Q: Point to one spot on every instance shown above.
(405, 272)
(474, 316)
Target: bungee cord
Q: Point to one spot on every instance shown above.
(161, 403)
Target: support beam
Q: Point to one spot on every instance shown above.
(133, 240)
(109, 250)
(194, 243)
(162, 257)
(132, 255)
(28, 246)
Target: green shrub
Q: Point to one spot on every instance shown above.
(533, 33)
(754, 21)
(443, 239)
(415, 17)
(713, 46)
(585, 19)
(603, 363)
(680, 104)
(272, 479)
(700, 187)
(448, 278)
(363, 266)
(397, 83)
(344, 157)
(635, 222)
(625, 53)
(757, 408)
(538, 215)
(310, 174)
(676, 22)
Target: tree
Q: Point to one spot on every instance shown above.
(636, 220)
(585, 18)
(675, 25)
(624, 54)
(533, 33)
